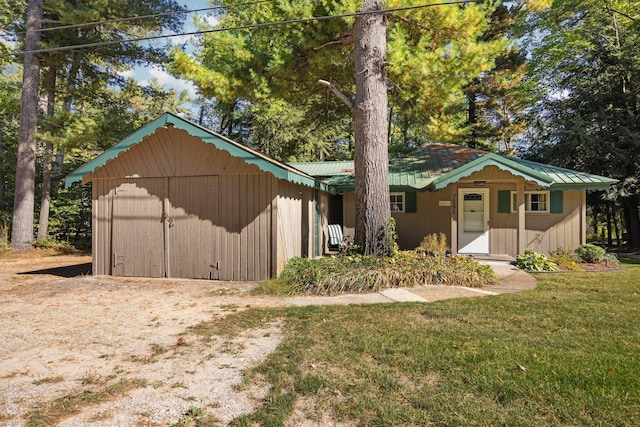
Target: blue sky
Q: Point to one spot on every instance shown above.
(144, 74)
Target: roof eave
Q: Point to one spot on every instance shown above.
(265, 164)
(484, 161)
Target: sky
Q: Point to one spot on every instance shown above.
(143, 74)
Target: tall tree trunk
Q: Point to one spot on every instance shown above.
(609, 228)
(615, 224)
(633, 221)
(23, 203)
(45, 201)
(2, 188)
(371, 157)
(66, 107)
(472, 119)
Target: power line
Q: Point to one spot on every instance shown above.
(155, 15)
(241, 27)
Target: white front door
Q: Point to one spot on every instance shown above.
(473, 221)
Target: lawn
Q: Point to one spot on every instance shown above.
(567, 353)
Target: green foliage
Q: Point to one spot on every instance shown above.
(590, 253)
(392, 240)
(566, 260)
(359, 273)
(269, 65)
(64, 247)
(585, 105)
(531, 260)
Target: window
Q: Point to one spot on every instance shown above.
(534, 201)
(397, 202)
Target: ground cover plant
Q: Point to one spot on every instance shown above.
(585, 257)
(562, 354)
(359, 273)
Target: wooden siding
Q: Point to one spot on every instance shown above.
(172, 152)
(429, 218)
(136, 229)
(295, 222)
(548, 232)
(218, 227)
(349, 214)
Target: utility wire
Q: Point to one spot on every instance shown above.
(155, 15)
(241, 27)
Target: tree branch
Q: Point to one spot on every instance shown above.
(338, 93)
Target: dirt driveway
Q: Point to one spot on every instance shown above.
(117, 351)
(79, 350)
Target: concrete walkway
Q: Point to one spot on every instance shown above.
(510, 280)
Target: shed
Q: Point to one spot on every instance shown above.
(174, 199)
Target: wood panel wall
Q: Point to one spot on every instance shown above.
(172, 152)
(295, 222)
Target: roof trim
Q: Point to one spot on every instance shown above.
(490, 159)
(263, 162)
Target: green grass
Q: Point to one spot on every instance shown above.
(566, 353)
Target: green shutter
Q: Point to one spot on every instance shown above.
(411, 203)
(504, 201)
(556, 201)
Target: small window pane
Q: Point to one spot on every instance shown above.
(397, 202)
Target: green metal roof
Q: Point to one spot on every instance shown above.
(263, 162)
(434, 166)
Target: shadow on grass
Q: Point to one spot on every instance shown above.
(66, 271)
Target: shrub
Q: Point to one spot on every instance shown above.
(590, 254)
(434, 244)
(64, 247)
(565, 259)
(531, 260)
(359, 273)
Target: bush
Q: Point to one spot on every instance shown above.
(434, 244)
(359, 273)
(590, 254)
(64, 247)
(565, 259)
(531, 260)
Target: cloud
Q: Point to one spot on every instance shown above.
(126, 74)
(168, 80)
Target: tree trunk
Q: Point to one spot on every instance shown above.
(45, 201)
(23, 203)
(472, 119)
(2, 188)
(371, 157)
(66, 107)
(615, 224)
(609, 228)
(633, 222)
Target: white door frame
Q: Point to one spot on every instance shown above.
(474, 237)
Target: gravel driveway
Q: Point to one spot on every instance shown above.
(69, 339)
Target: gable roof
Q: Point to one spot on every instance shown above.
(434, 166)
(263, 162)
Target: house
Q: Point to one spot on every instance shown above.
(484, 203)
(177, 200)
(174, 199)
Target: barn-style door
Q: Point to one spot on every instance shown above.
(166, 227)
(193, 228)
(137, 242)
